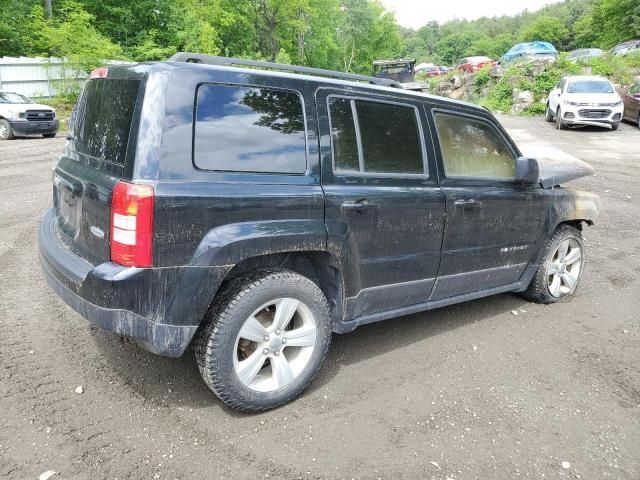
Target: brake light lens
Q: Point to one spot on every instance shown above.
(132, 224)
(100, 72)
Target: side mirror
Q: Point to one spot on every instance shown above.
(527, 170)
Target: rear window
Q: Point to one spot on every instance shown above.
(249, 129)
(101, 121)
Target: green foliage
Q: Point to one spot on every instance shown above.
(500, 98)
(621, 70)
(548, 29)
(615, 21)
(335, 34)
(75, 40)
(482, 77)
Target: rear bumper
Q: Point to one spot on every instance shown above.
(25, 127)
(161, 308)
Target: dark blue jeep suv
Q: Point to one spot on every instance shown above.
(251, 210)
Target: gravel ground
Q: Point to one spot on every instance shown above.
(471, 391)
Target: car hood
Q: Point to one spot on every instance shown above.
(555, 171)
(23, 107)
(590, 98)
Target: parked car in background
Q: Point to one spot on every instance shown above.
(435, 71)
(530, 51)
(584, 100)
(632, 104)
(585, 54)
(632, 47)
(252, 209)
(19, 115)
(402, 71)
(473, 64)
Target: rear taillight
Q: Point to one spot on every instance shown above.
(132, 224)
(100, 72)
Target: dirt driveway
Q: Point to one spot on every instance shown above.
(471, 391)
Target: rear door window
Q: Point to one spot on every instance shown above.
(472, 148)
(249, 129)
(380, 138)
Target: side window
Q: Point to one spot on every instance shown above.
(249, 129)
(375, 137)
(635, 89)
(473, 148)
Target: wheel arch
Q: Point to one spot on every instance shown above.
(319, 266)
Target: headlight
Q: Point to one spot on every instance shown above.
(617, 104)
(575, 104)
(14, 115)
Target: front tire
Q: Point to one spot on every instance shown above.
(615, 126)
(560, 272)
(264, 340)
(6, 132)
(548, 115)
(559, 123)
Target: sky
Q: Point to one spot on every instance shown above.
(416, 13)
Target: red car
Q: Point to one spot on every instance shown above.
(473, 64)
(435, 71)
(632, 104)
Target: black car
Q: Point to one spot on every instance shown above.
(252, 212)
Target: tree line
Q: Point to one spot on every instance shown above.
(568, 25)
(342, 35)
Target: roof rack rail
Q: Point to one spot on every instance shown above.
(228, 61)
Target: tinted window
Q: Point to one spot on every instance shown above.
(382, 137)
(635, 89)
(101, 120)
(343, 131)
(390, 138)
(248, 129)
(472, 148)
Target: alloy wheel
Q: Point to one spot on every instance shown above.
(274, 345)
(564, 269)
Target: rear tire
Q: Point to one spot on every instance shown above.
(559, 123)
(548, 115)
(264, 340)
(6, 132)
(561, 269)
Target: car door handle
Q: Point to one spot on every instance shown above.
(359, 206)
(468, 204)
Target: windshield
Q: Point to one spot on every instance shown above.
(589, 86)
(14, 98)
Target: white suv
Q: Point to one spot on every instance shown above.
(584, 100)
(19, 115)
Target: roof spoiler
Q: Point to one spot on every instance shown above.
(233, 62)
